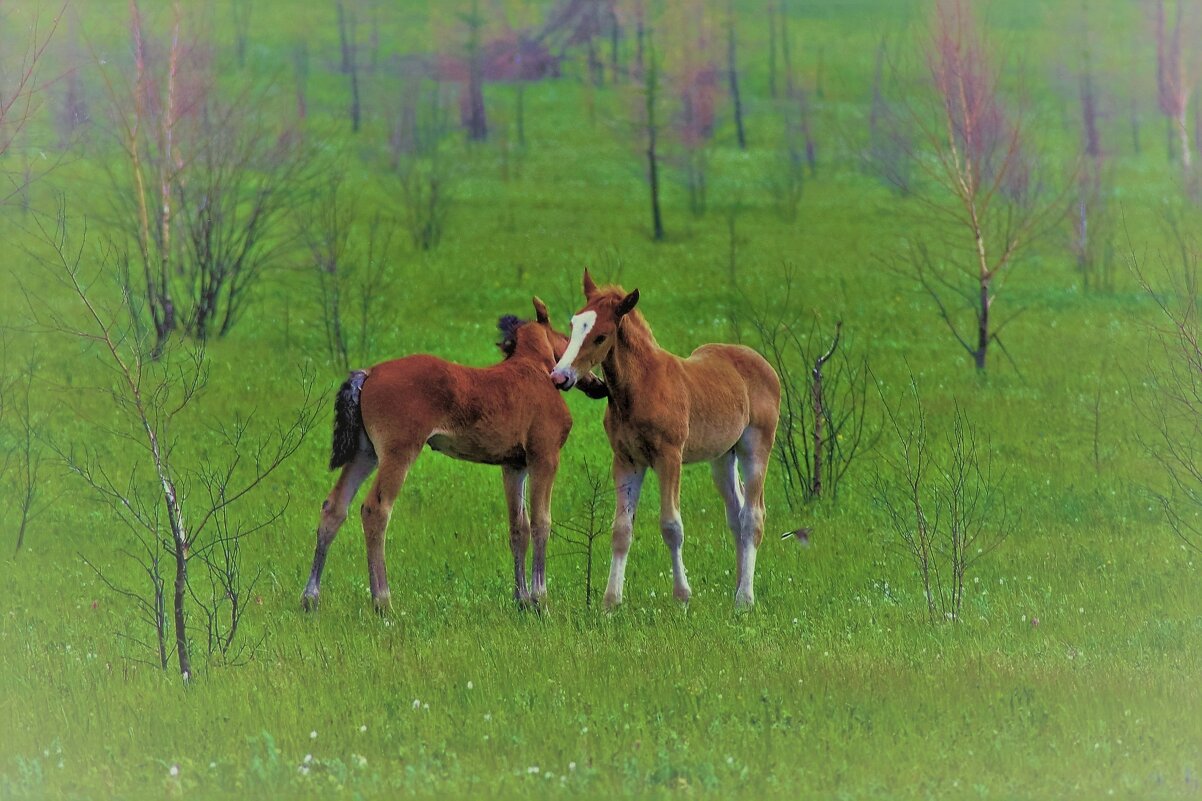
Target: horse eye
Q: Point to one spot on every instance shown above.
(600, 338)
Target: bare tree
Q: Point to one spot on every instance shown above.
(149, 396)
(1175, 78)
(471, 102)
(732, 73)
(300, 75)
(889, 139)
(241, 12)
(207, 185)
(350, 265)
(772, 50)
(650, 125)
(581, 529)
(797, 110)
(348, 39)
(1173, 408)
(21, 91)
(425, 174)
(824, 423)
(942, 502)
(978, 179)
(26, 451)
(694, 81)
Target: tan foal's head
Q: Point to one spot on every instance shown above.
(594, 331)
(539, 340)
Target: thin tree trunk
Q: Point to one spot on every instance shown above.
(520, 113)
(818, 401)
(356, 111)
(640, 35)
(1135, 126)
(615, 34)
(651, 87)
(733, 69)
(786, 56)
(343, 40)
(771, 51)
(982, 326)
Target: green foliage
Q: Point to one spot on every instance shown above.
(1071, 673)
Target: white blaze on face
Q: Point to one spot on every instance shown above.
(581, 324)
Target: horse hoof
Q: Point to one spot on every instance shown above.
(744, 603)
(383, 604)
(612, 602)
(682, 594)
(309, 602)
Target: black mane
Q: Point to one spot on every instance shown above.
(508, 326)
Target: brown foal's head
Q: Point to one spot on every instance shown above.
(594, 331)
(537, 338)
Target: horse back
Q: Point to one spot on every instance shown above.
(497, 414)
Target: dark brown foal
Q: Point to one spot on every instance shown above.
(508, 415)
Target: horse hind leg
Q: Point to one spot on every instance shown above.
(754, 450)
(333, 514)
(730, 488)
(519, 529)
(377, 511)
(670, 526)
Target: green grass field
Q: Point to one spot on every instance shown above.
(1072, 673)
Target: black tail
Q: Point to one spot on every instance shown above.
(348, 420)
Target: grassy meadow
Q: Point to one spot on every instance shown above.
(1073, 672)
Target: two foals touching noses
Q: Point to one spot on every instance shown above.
(718, 405)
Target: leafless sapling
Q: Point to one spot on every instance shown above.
(21, 89)
(651, 131)
(732, 74)
(694, 82)
(1173, 408)
(978, 178)
(1175, 68)
(824, 422)
(350, 265)
(209, 180)
(424, 172)
(24, 456)
(472, 113)
(1091, 239)
(589, 521)
(942, 500)
(153, 493)
(348, 40)
(241, 12)
(889, 140)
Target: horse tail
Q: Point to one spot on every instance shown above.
(348, 420)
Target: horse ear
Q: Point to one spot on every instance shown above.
(627, 304)
(540, 311)
(590, 288)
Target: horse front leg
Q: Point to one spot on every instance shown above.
(628, 485)
(668, 470)
(519, 529)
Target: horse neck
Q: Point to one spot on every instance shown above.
(633, 357)
(527, 350)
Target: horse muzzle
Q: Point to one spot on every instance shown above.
(564, 378)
